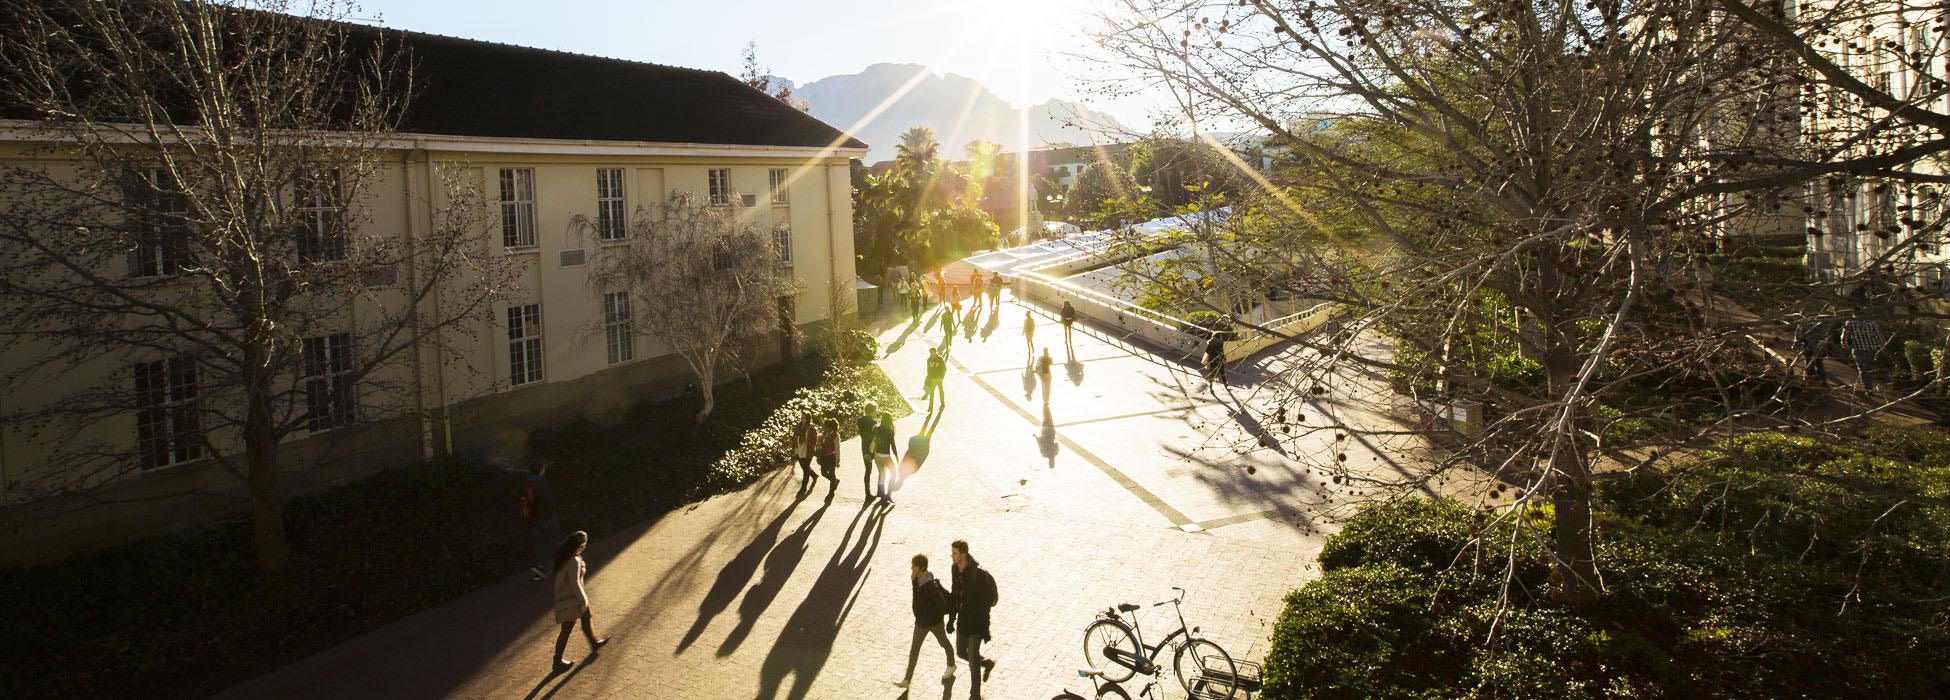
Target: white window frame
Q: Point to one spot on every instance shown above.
(779, 178)
(524, 344)
(782, 244)
(718, 180)
(169, 424)
(331, 400)
(517, 198)
(321, 213)
(618, 330)
(612, 223)
(160, 232)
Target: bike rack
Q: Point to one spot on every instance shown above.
(1209, 685)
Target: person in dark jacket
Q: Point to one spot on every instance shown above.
(973, 595)
(930, 605)
(1069, 318)
(544, 528)
(882, 435)
(868, 420)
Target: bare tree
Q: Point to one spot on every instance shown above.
(708, 279)
(188, 238)
(1520, 199)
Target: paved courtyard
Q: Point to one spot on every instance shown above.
(1123, 487)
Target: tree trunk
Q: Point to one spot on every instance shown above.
(705, 380)
(1570, 490)
(261, 449)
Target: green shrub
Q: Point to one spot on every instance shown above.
(1763, 571)
(1916, 357)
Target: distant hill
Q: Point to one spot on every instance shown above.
(939, 102)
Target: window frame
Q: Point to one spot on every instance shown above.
(779, 178)
(327, 363)
(619, 331)
(782, 244)
(161, 233)
(167, 394)
(718, 186)
(612, 223)
(525, 351)
(516, 195)
(321, 216)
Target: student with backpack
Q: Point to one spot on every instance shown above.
(930, 605)
(537, 503)
(972, 597)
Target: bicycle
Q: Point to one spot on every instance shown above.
(1116, 650)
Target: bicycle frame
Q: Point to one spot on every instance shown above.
(1147, 661)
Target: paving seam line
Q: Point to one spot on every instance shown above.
(1170, 514)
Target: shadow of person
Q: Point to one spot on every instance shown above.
(806, 641)
(734, 574)
(779, 565)
(1075, 370)
(1029, 379)
(558, 678)
(1046, 438)
(969, 323)
(994, 322)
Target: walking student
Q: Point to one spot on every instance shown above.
(865, 424)
(802, 449)
(1215, 358)
(1029, 331)
(571, 598)
(538, 510)
(1069, 318)
(937, 371)
(995, 290)
(828, 451)
(930, 606)
(1044, 373)
(976, 290)
(883, 455)
(973, 595)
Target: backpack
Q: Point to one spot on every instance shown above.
(527, 501)
(994, 595)
(934, 601)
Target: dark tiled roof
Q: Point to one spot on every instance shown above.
(476, 88)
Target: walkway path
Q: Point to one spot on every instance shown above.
(1123, 487)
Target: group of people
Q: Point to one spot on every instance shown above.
(913, 291)
(1043, 367)
(885, 468)
(961, 610)
(1861, 337)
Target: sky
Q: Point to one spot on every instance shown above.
(1015, 47)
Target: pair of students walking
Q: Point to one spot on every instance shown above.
(817, 440)
(967, 603)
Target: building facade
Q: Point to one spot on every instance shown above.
(560, 151)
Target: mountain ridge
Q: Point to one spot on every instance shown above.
(958, 108)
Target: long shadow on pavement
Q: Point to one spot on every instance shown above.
(806, 642)
(734, 574)
(779, 565)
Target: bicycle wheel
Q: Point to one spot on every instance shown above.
(1109, 634)
(1204, 664)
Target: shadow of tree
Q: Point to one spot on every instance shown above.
(805, 644)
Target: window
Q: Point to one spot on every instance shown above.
(722, 258)
(329, 400)
(161, 224)
(782, 244)
(778, 186)
(517, 207)
(168, 429)
(321, 217)
(720, 186)
(524, 344)
(610, 222)
(616, 327)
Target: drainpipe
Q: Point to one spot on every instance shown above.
(413, 310)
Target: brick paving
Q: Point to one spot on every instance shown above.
(778, 592)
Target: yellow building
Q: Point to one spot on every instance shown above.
(562, 147)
